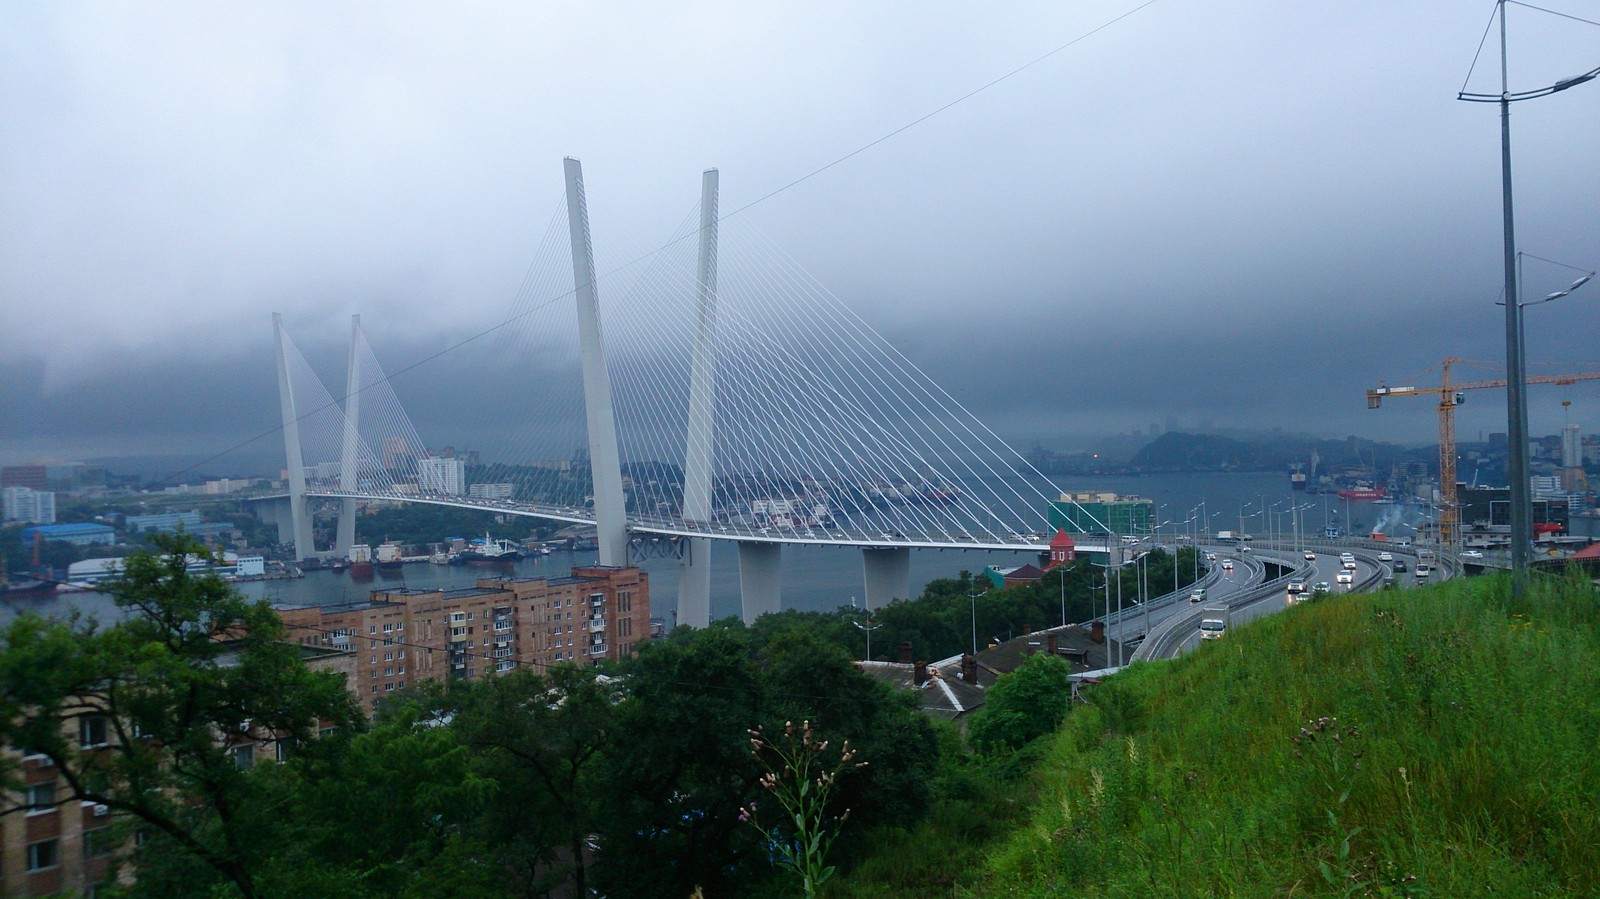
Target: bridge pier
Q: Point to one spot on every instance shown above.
(887, 574)
(694, 582)
(276, 513)
(760, 579)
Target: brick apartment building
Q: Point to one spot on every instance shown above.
(400, 637)
(58, 846)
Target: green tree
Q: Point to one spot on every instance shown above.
(542, 739)
(139, 715)
(1025, 704)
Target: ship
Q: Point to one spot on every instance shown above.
(1297, 477)
(490, 551)
(1358, 494)
(360, 561)
(388, 555)
(25, 588)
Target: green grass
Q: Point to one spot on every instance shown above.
(1473, 768)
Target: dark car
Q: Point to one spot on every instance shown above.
(1399, 565)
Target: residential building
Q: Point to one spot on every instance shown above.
(58, 846)
(27, 506)
(491, 491)
(404, 636)
(167, 522)
(438, 475)
(34, 477)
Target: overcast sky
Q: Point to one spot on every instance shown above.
(1237, 212)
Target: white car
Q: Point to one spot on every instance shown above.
(1345, 576)
(1472, 554)
(1348, 564)
(1385, 557)
(1227, 564)
(1311, 556)
(1297, 586)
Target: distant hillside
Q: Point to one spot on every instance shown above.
(1178, 451)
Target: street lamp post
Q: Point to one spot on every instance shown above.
(1516, 376)
(972, 594)
(868, 628)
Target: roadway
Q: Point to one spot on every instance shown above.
(1252, 595)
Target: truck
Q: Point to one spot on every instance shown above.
(1213, 623)
(1231, 537)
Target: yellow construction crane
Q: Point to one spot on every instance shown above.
(1450, 396)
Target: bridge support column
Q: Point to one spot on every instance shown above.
(346, 533)
(760, 579)
(299, 512)
(276, 513)
(610, 504)
(694, 572)
(888, 575)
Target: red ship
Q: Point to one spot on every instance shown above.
(1364, 493)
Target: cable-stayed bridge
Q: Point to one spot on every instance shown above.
(728, 397)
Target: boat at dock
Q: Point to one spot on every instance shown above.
(490, 551)
(388, 555)
(361, 561)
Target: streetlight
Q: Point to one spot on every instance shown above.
(972, 594)
(1516, 378)
(867, 628)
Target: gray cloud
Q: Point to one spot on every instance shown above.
(1245, 213)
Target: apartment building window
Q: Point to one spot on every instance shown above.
(505, 665)
(388, 641)
(625, 601)
(374, 688)
(92, 731)
(97, 842)
(388, 688)
(389, 671)
(388, 628)
(41, 798)
(374, 660)
(243, 756)
(372, 628)
(388, 657)
(400, 669)
(44, 854)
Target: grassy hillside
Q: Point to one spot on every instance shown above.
(1436, 742)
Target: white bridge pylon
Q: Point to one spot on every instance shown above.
(730, 398)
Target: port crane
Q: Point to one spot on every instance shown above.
(1450, 395)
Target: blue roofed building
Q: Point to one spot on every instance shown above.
(75, 534)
